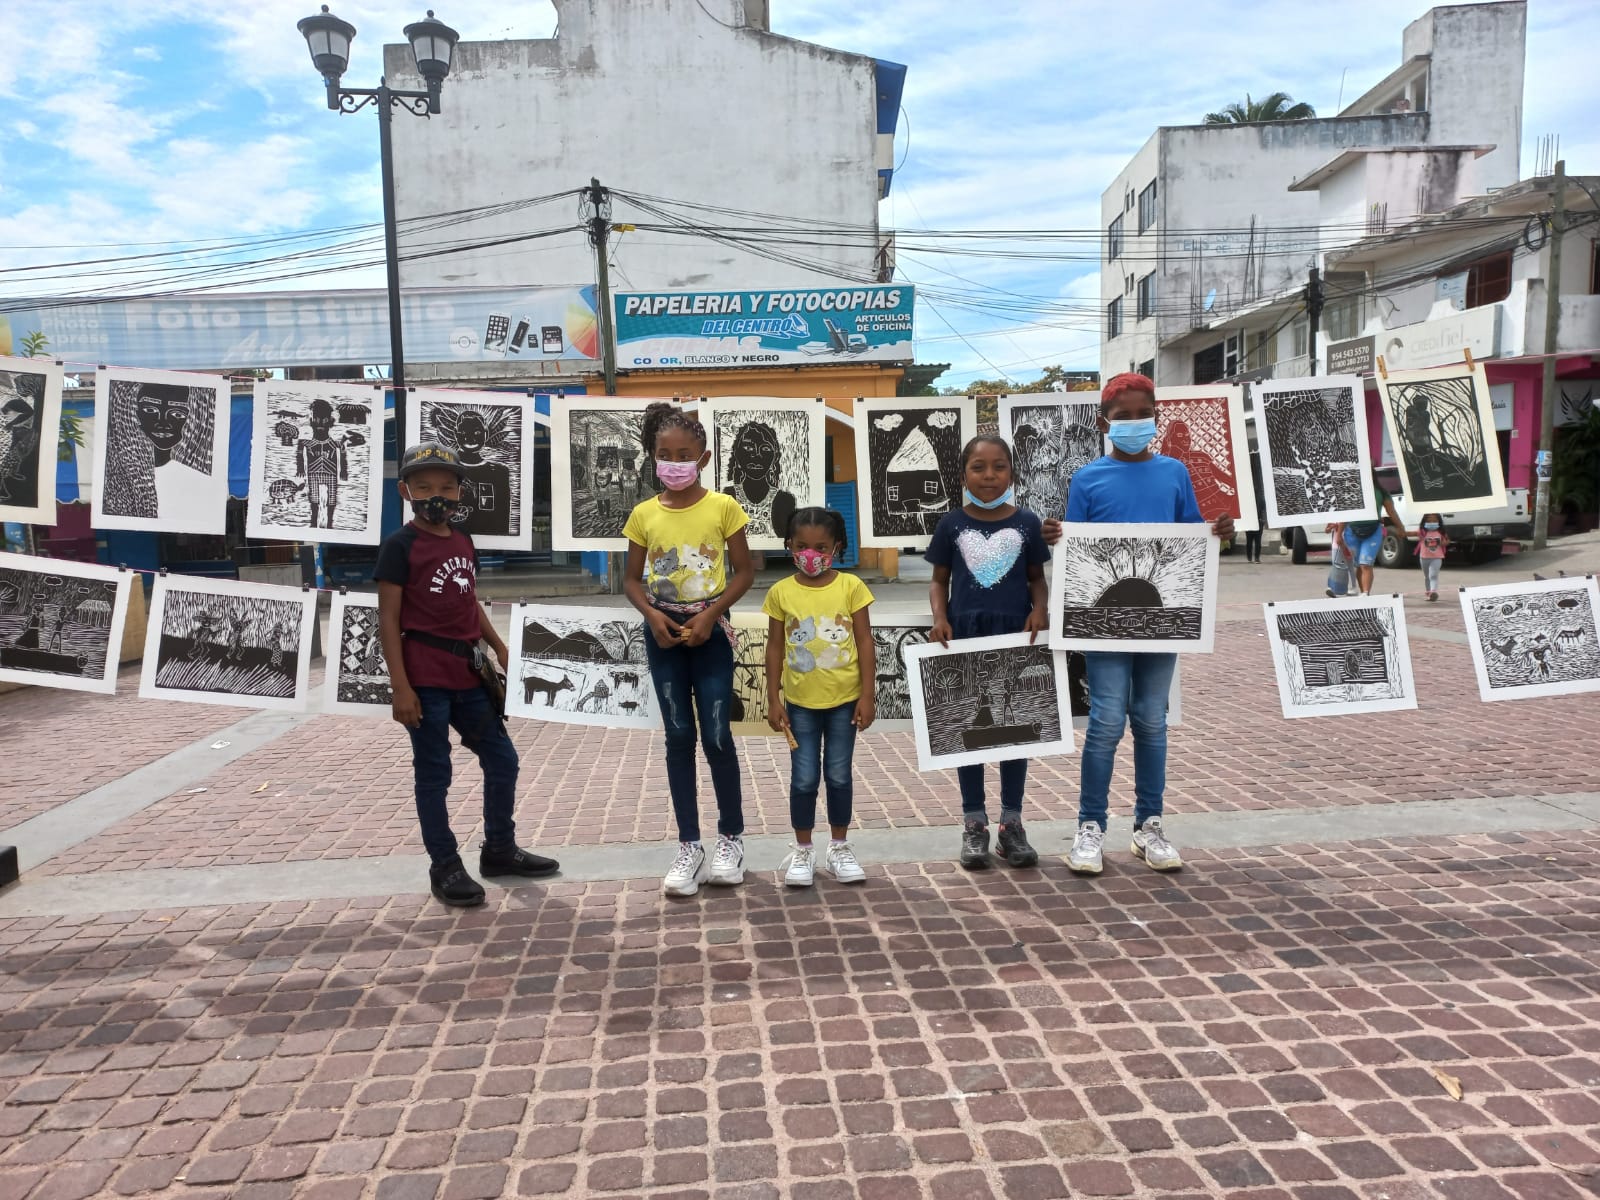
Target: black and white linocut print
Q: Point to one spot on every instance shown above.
(492, 436)
(598, 470)
(357, 682)
(1441, 422)
(215, 641)
(749, 717)
(61, 623)
(316, 463)
(987, 700)
(1049, 442)
(1134, 587)
(891, 636)
(768, 454)
(161, 451)
(1078, 691)
(1315, 462)
(1534, 639)
(908, 466)
(30, 429)
(580, 666)
(1339, 657)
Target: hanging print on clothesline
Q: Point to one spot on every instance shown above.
(492, 435)
(316, 463)
(768, 454)
(61, 623)
(1534, 639)
(1050, 441)
(1138, 587)
(30, 431)
(160, 451)
(1334, 658)
(1203, 428)
(357, 681)
(892, 635)
(1315, 461)
(218, 641)
(908, 466)
(598, 470)
(1441, 423)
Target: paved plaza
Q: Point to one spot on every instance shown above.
(1378, 977)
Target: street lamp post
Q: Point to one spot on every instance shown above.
(432, 44)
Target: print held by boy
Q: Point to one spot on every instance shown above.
(988, 578)
(688, 537)
(1130, 484)
(821, 657)
(432, 629)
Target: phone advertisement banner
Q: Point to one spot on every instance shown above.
(764, 327)
(323, 328)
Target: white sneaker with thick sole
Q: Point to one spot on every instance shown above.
(727, 862)
(841, 863)
(689, 870)
(1150, 844)
(799, 868)
(1087, 850)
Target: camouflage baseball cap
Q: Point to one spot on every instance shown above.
(427, 455)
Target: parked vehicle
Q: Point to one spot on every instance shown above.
(1478, 536)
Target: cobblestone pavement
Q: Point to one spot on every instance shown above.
(1286, 1023)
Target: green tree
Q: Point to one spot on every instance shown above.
(1279, 106)
(1051, 379)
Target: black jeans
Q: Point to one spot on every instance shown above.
(1252, 545)
(482, 731)
(690, 680)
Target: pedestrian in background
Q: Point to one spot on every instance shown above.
(1432, 545)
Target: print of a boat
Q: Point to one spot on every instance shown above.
(984, 733)
(22, 658)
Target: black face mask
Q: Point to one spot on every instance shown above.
(435, 509)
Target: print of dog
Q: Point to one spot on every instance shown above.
(836, 633)
(799, 634)
(545, 687)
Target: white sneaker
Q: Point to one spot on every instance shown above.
(727, 864)
(1086, 849)
(688, 871)
(1150, 844)
(840, 862)
(798, 869)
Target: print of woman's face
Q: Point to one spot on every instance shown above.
(758, 454)
(163, 410)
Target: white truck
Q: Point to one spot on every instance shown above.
(1478, 535)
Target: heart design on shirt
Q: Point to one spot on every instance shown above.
(989, 556)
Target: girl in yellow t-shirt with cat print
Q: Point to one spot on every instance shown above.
(820, 657)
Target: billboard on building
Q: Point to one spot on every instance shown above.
(311, 329)
(768, 327)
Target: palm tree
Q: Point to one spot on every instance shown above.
(1277, 107)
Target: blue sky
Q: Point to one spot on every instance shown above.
(172, 120)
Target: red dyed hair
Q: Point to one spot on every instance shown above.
(1128, 381)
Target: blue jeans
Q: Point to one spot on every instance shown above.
(690, 680)
(1363, 550)
(1125, 689)
(484, 733)
(1013, 779)
(814, 729)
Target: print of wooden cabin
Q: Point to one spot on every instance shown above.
(1337, 648)
(913, 482)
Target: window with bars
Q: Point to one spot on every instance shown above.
(1489, 280)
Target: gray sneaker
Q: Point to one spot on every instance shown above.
(1150, 844)
(1086, 857)
(975, 846)
(688, 871)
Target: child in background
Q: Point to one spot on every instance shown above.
(819, 644)
(1432, 545)
(1130, 484)
(431, 625)
(688, 537)
(988, 578)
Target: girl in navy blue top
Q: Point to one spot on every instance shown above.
(988, 578)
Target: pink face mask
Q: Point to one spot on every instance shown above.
(675, 476)
(812, 562)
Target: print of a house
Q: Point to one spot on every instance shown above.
(913, 482)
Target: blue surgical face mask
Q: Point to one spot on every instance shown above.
(1003, 498)
(1132, 437)
(1430, 524)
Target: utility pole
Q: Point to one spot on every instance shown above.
(1547, 392)
(599, 201)
(1314, 310)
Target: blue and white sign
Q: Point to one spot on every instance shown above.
(773, 327)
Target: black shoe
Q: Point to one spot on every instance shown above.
(515, 861)
(975, 846)
(453, 886)
(1013, 845)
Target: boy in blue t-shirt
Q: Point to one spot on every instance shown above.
(1130, 484)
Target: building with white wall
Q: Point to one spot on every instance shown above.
(691, 100)
(1207, 240)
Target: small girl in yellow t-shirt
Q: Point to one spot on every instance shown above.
(819, 645)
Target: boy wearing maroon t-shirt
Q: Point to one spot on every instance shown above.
(431, 626)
